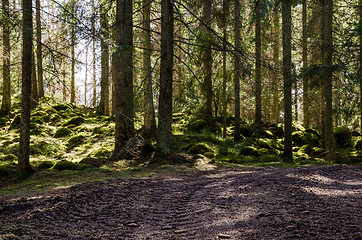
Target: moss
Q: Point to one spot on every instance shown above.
(307, 149)
(37, 119)
(197, 125)
(7, 170)
(76, 121)
(42, 114)
(200, 148)
(82, 166)
(315, 132)
(65, 165)
(16, 121)
(51, 110)
(263, 134)
(63, 107)
(62, 132)
(343, 136)
(99, 130)
(358, 144)
(209, 154)
(270, 158)
(102, 153)
(249, 151)
(264, 144)
(45, 165)
(301, 138)
(10, 158)
(3, 121)
(96, 162)
(55, 118)
(246, 130)
(75, 141)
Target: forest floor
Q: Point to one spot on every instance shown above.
(318, 202)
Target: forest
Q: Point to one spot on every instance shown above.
(185, 106)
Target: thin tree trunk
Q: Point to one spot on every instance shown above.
(237, 66)
(258, 64)
(104, 102)
(296, 101)
(360, 56)
(39, 55)
(287, 54)
(94, 57)
(123, 74)
(72, 79)
(6, 100)
(149, 110)
(327, 51)
(165, 98)
(23, 161)
(305, 65)
(207, 13)
(276, 74)
(224, 95)
(86, 77)
(34, 83)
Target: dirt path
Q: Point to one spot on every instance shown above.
(301, 203)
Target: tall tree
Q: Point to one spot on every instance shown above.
(86, 76)
(123, 74)
(94, 55)
(258, 63)
(39, 54)
(207, 58)
(327, 54)
(165, 98)
(287, 55)
(360, 55)
(149, 110)
(305, 65)
(276, 47)
(34, 83)
(224, 74)
(6, 100)
(23, 161)
(72, 49)
(104, 101)
(237, 136)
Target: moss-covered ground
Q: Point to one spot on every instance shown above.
(70, 145)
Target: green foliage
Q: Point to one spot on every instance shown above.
(358, 144)
(102, 152)
(197, 125)
(301, 138)
(249, 151)
(45, 165)
(200, 148)
(262, 133)
(62, 132)
(64, 107)
(76, 121)
(75, 141)
(270, 158)
(307, 149)
(95, 162)
(9, 158)
(246, 130)
(37, 119)
(3, 121)
(16, 121)
(209, 154)
(343, 136)
(65, 165)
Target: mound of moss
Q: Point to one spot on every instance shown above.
(246, 130)
(270, 158)
(102, 153)
(200, 148)
(42, 114)
(197, 125)
(249, 151)
(75, 141)
(95, 162)
(37, 119)
(62, 132)
(343, 136)
(263, 134)
(63, 107)
(65, 165)
(307, 149)
(45, 165)
(3, 121)
(301, 138)
(9, 158)
(358, 144)
(76, 121)
(16, 121)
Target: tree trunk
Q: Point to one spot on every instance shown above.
(123, 74)
(23, 161)
(287, 54)
(34, 83)
(94, 56)
(276, 70)
(305, 65)
(207, 13)
(237, 66)
(224, 76)
(85, 77)
(149, 110)
(258, 64)
(72, 79)
(360, 56)
(327, 51)
(165, 99)
(104, 102)
(6, 100)
(39, 55)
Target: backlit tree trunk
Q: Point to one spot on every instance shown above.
(360, 56)
(39, 54)
(305, 65)
(94, 56)
(237, 72)
(276, 70)
(34, 83)
(72, 78)
(258, 64)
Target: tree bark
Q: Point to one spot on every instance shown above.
(39, 55)
(237, 66)
(327, 51)
(305, 65)
(23, 161)
(258, 64)
(94, 56)
(86, 77)
(287, 54)
(360, 56)
(104, 101)
(224, 75)
(34, 83)
(165, 98)
(149, 109)
(276, 70)
(123, 57)
(72, 78)
(6, 100)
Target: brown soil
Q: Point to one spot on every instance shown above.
(296, 203)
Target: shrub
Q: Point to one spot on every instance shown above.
(200, 148)
(343, 136)
(78, 120)
(65, 165)
(62, 132)
(307, 149)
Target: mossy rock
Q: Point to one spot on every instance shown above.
(99, 130)
(358, 144)
(307, 149)
(246, 130)
(16, 121)
(278, 131)
(82, 166)
(197, 125)
(63, 107)
(75, 141)
(10, 158)
(76, 121)
(249, 151)
(263, 134)
(95, 162)
(270, 158)
(343, 136)
(355, 134)
(62, 132)
(200, 148)
(301, 138)
(315, 132)
(7, 170)
(40, 113)
(102, 153)
(37, 119)
(248, 141)
(209, 154)
(3, 121)
(45, 165)
(264, 144)
(65, 165)
(55, 118)
(51, 111)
